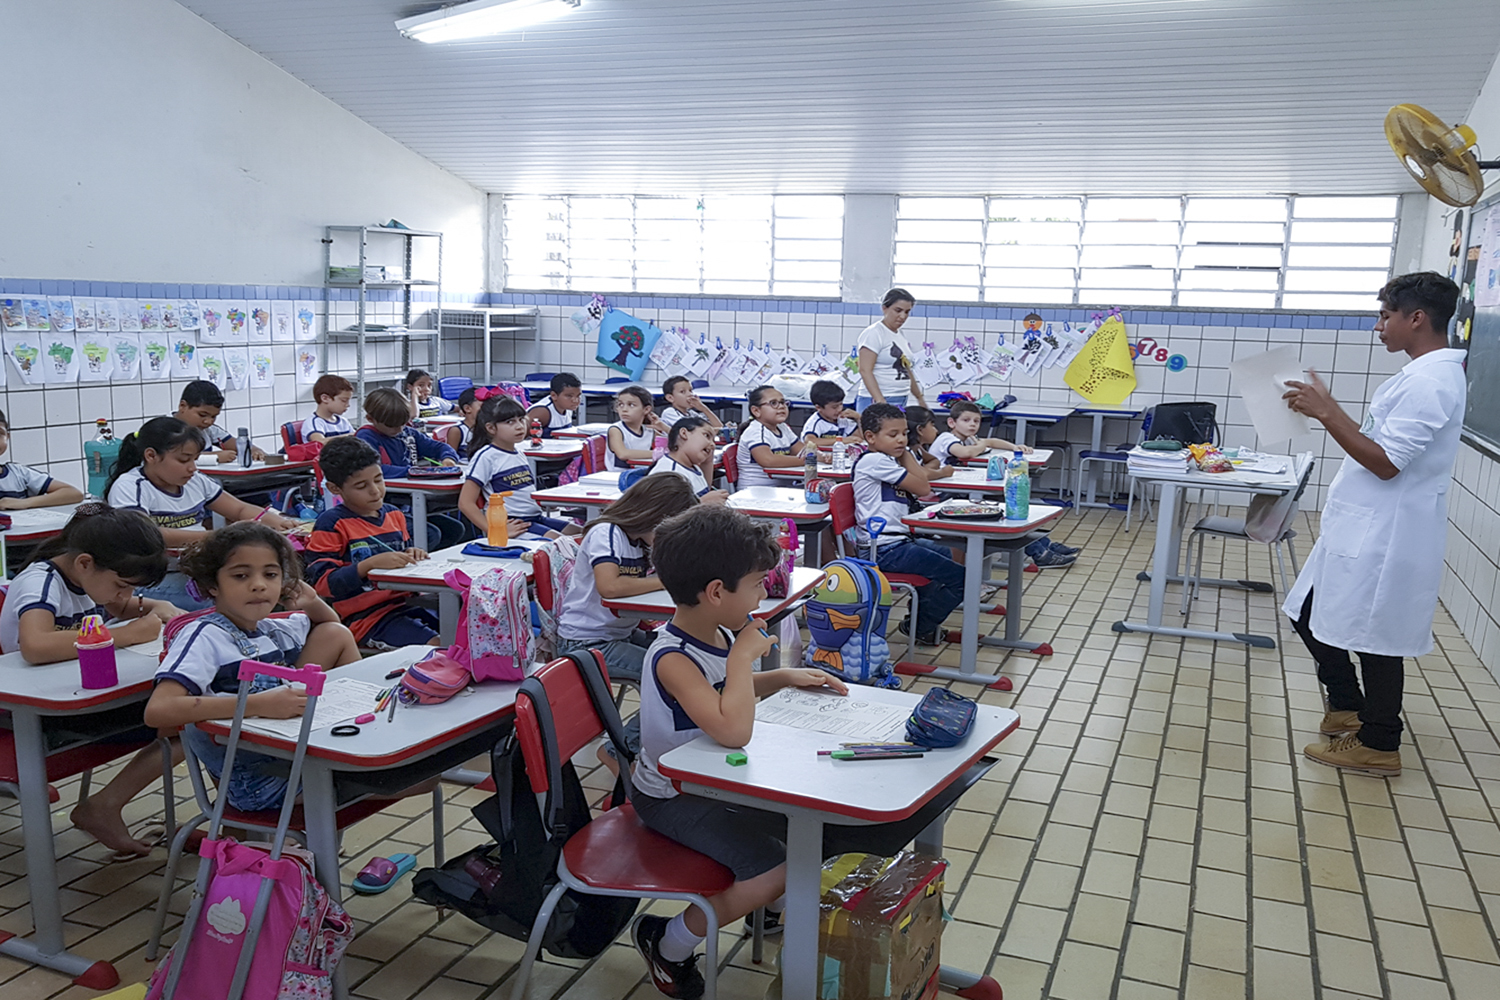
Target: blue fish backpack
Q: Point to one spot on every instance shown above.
(846, 617)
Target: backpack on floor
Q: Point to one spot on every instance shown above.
(494, 639)
(846, 618)
(302, 938)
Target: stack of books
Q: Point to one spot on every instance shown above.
(1142, 461)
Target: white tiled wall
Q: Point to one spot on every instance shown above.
(1471, 587)
(1350, 360)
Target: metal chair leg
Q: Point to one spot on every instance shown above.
(1291, 552)
(1281, 565)
(534, 940)
(438, 852)
(758, 937)
(168, 792)
(84, 781)
(168, 880)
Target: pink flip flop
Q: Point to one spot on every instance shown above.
(382, 873)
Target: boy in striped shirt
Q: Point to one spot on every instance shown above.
(361, 534)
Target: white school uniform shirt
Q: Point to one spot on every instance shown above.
(781, 441)
(42, 585)
(557, 420)
(188, 508)
(1378, 561)
(632, 441)
(875, 476)
(817, 426)
(328, 428)
(691, 473)
(942, 447)
(205, 658)
(582, 616)
(435, 406)
(208, 437)
(20, 481)
(893, 359)
(664, 724)
(497, 470)
(672, 414)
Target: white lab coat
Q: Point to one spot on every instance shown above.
(1376, 567)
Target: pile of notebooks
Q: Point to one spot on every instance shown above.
(1141, 461)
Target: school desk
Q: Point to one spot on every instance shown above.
(581, 431)
(646, 463)
(659, 606)
(426, 577)
(784, 774)
(593, 493)
(1098, 412)
(420, 490)
(1024, 413)
(31, 525)
(1166, 552)
(1010, 536)
(422, 741)
(33, 693)
(258, 477)
(550, 450)
(778, 502)
(978, 466)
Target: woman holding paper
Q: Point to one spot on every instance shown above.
(885, 359)
(1371, 583)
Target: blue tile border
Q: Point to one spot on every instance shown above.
(1278, 319)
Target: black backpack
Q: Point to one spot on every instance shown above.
(501, 886)
(1188, 423)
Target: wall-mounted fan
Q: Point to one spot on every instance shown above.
(1438, 156)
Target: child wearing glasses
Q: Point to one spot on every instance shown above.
(765, 440)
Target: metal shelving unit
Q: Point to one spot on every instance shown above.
(383, 244)
(509, 322)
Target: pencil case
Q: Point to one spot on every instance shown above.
(494, 551)
(434, 679)
(941, 719)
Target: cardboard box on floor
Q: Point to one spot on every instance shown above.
(881, 926)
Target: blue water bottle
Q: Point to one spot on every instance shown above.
(1017, 488)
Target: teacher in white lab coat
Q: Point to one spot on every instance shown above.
(1371, 584)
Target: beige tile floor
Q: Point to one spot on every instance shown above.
(1153, 831)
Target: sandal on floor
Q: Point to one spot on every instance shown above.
(382, 873)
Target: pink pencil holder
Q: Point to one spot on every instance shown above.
(96, 664)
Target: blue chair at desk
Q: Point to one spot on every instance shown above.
(538, 376)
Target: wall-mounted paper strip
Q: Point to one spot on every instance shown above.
(1261, 380)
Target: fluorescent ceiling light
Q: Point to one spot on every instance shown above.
(481, 18)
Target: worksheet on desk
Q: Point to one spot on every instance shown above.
(851, 716)
(343, 699)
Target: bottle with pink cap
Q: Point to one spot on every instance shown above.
(96, 653)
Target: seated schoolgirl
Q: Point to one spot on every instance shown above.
(495, 466)
(93, 568)
(157, 474)
(921, 431)
(765, 442)
(421, 402)
(690, 454)
(634, 434)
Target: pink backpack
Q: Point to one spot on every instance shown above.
(494, 640)
(591, 461)
(301, 940)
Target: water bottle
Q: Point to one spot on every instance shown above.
(1017, 488)
(840, 455)
(810, 475)
(995, 469)
(242, 447)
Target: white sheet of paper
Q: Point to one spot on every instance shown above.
(1260, 380)
(343, 699)
(849, 716)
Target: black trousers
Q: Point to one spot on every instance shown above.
(1378, 705)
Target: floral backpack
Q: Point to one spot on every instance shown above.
(591, 461)
(562, 556)
(494, 639)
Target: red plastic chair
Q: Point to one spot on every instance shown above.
(615, 854)
(731, 460)
(841, 506)
(291, 434)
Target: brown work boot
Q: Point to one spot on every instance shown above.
(1339, 723)
(1348, 754)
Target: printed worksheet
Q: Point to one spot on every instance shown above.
(851, 716)
(342, 700)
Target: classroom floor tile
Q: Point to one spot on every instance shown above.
(1152, 831)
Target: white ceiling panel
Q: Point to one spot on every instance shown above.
(910, 96)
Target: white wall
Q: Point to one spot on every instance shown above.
(146, 145)
(149, 147)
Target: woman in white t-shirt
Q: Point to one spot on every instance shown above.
(885, 358)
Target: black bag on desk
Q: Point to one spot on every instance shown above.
(1190, 423)
(502, 885)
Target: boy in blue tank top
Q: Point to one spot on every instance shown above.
(699, 677)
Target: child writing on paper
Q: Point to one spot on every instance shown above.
(634, 434)
(699, 677)
(690, 454)
(558, 410)
(683, 402)
(360, 534)
(93, 567)
(495, 466)
(332, 394)
(961, 441)
(765, 442)
(22, 487)
(831, 420)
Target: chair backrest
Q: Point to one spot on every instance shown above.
(291, 433)
(453, 386)
(841, 509)
(1308, 463)
(700, 383)
(538, 376)
(1190, 423)
(617, 380)
(556, 716)
(731, 462)
(541, 580)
